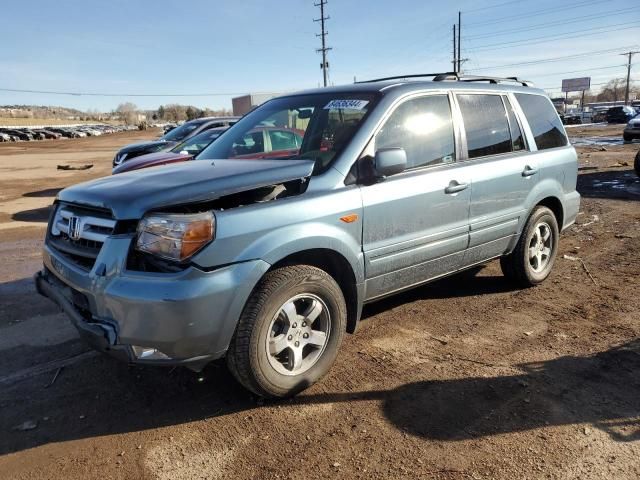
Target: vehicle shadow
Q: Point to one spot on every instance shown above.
(99, 396)
(619, 184)
(602, 390)
(33, 215)
(47, 192)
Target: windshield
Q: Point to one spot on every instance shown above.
(181, 132)
(315, 127)
(197, 143)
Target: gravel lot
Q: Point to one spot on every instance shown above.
(464, 378)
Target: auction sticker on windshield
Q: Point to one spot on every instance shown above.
(346, 105)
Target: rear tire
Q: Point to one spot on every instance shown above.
(626, 137)
(532, 259)
(289, 332)
(636, 163)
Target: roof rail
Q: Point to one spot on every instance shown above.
(454, 76)
(418, 75)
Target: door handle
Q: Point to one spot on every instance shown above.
(455, 187)
(528, 171)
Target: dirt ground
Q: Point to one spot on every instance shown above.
(466, 378)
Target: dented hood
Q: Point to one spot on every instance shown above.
(130, 195)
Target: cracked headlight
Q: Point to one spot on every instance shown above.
(175, 236)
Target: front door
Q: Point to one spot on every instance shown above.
(415, 225)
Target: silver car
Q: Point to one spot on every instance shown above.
(268, 258)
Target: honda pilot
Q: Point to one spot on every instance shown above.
(267, 262)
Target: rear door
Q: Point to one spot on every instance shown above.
(502, 173)
(415, 224)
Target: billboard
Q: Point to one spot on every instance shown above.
(576, 84)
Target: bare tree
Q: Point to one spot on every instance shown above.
(613, 90)
(128, 112)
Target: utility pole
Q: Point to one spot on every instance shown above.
(459, 69)
(626, 92)
(323, 34)
(455, 52)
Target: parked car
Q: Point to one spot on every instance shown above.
(171, 139)
(5, 137)
(621, 114)
(48, 134)
(35, 134)
(632, 130)
(19, 134)
(65, 132)
(182, 152)
(599, 115)
(261, 142)
(269, 261)
(571, 118)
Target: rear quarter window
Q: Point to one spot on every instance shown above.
(544, 121)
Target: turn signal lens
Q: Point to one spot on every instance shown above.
(175, 236)
(352, 217)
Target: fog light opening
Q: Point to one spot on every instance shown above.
(148, 353)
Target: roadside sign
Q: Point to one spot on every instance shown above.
(576, 84)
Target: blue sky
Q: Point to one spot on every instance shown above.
(241, 46)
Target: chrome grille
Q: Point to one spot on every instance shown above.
(78, 233)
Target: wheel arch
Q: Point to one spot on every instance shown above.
(336, 265)
(554, 204)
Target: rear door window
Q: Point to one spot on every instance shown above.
(486, 125)
(544, 121)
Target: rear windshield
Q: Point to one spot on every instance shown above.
(544, 121)
(181, 132)
(197, 143)
(315, 127)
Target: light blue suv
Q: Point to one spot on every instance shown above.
(268, 262)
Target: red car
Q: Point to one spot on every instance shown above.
(261, 142)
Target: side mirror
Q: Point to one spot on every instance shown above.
(390, 161)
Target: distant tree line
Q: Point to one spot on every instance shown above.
(46, 112)
(174, 112)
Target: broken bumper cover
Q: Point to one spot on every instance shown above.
(100, 336)
(189, 317)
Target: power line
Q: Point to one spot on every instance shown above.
(323, 33)
(496, 5)
(583, 70)
(559, 89)
(550, 24)
(548, 38)
(96, 94)
(557, 59)
(537, 13)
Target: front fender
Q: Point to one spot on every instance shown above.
(272, 249)
(271, 231)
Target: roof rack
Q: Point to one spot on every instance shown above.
(454, 76)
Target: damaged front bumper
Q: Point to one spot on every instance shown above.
(185, 318)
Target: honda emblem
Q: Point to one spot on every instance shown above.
(75, 228)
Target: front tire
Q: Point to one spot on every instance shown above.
(532, 259)
(289, 332)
